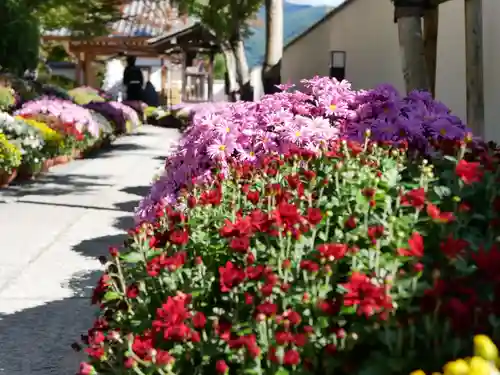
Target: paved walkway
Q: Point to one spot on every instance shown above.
(51, 234)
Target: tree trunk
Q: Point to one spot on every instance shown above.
(474, 74)
(230, 61)
(431, 26)
(412, 52)
(242, 71)
(271, 71)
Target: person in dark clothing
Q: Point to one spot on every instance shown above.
(150, 96)
(133, 80)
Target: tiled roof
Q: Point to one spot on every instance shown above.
(176, 31)
(147, 18)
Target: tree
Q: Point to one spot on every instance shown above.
(407, 14)
(84, 18)
(20, 39)
(271, 70)
(229, 20)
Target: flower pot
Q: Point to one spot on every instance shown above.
(97, 145)
(61, 159)
(47, 164)
(76, 154)
(6, 178)
(106, 143)
(28, 172)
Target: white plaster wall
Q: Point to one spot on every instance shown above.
(364, 29)
(307, 57)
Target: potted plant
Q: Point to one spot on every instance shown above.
(10, 160)
(28, 140)
(53, 141)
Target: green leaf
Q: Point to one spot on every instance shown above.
(442, 191)
(479, 217)
(281, 371)
(111, 296)
(132, 257)
(349, 310)
(322, 236)
(341, 289)
(153, 252)
(391, 177)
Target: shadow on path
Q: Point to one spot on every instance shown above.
(37, 341)
(141, 191)
(54, 184)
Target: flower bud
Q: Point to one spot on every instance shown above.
(485, 348)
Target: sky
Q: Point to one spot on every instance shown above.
(317, 2)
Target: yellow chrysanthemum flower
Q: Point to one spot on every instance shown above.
(458, 367)
(485, 348)
(480, 366)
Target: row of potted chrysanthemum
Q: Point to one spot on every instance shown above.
(48, 131)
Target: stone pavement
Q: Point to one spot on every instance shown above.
(52, 231)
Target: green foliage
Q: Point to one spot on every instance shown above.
(26, 90)
(85, 95)
(7, 99)
(228, 19)
(219, 66)
(10, 155)
(61, 81)
(84, 18)
(20, 37)
(56, 52)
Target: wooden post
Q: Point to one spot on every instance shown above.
(87, 69)
(474, 65)
(412, 53)
(431, 26)
(210, 80)
(163, 91)
(184, 77)
(79, 68)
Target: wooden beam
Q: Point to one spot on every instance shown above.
(412, 53)
(184, 78)
(431, 26)
(210, 77)
(163, 78)
(109, 51)
(474, 65)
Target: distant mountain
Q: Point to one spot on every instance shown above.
(297, 19)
